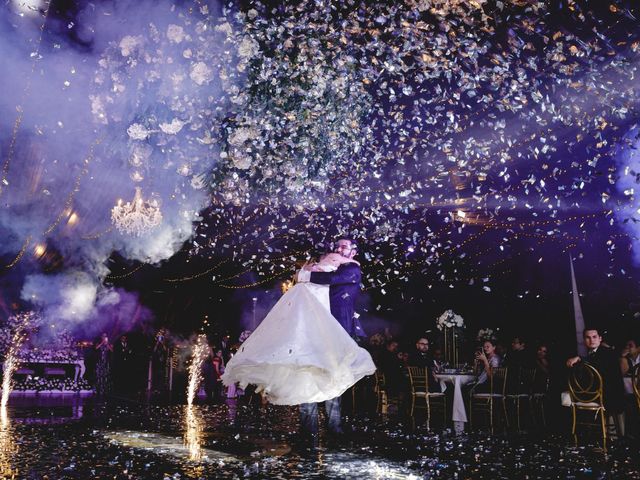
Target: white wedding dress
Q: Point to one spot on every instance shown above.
(299, 353)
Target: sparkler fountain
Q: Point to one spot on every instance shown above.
(11, 361)
(193, 434)
(8, 449)
(200, 351)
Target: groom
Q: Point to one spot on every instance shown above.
(344, 286)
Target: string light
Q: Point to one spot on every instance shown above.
(124, 275)
(16, 126)
(258, 283)
(67, 206)
(25, 245)
(95, 236)
(76, 187)
(197, 275)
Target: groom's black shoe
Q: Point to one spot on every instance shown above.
(305, 442)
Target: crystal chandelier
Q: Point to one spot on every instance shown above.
(137, 217)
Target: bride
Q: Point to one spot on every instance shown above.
(300, 353)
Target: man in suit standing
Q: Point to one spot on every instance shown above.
(606, 362)
(344, 287)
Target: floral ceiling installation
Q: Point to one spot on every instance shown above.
(419, 126)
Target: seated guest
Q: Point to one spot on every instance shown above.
(376, 346)
(543, 370)
(606, 362)
(485, 361)
(517, 359)
(422, 358)
(390, 364)
(542, 359)
(518, 356)
(629, 357)
(404, 358)
(438, 360)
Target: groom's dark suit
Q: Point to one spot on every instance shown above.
(344, 286)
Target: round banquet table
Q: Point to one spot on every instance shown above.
(458, 380)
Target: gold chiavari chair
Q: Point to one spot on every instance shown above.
(380, 389)
(484, 402)
(519, 388)
(635, 380)
(585, 389)
(419, 385)
(539, 392)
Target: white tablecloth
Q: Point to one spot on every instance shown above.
(78, 364)
(459, 413)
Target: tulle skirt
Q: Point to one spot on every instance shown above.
(300, 353)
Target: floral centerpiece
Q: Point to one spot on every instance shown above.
(450, 319)
(450, 323)
(486, 334)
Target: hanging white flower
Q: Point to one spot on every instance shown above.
(129, 44)
(200, 73)
(241, 135)
(225, 28)
(248, 48)
(172, 128)
(175, 33)
(137, 131)
(198, 182)
(241, 162)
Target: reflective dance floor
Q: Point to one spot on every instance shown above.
(75, 438)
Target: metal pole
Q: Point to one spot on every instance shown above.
(150, 375)
(253, 321)
(446, 348)
(171, 370)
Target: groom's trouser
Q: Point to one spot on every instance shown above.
(309, 416)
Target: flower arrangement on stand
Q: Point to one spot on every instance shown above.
(451, 324)
(486, 334)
